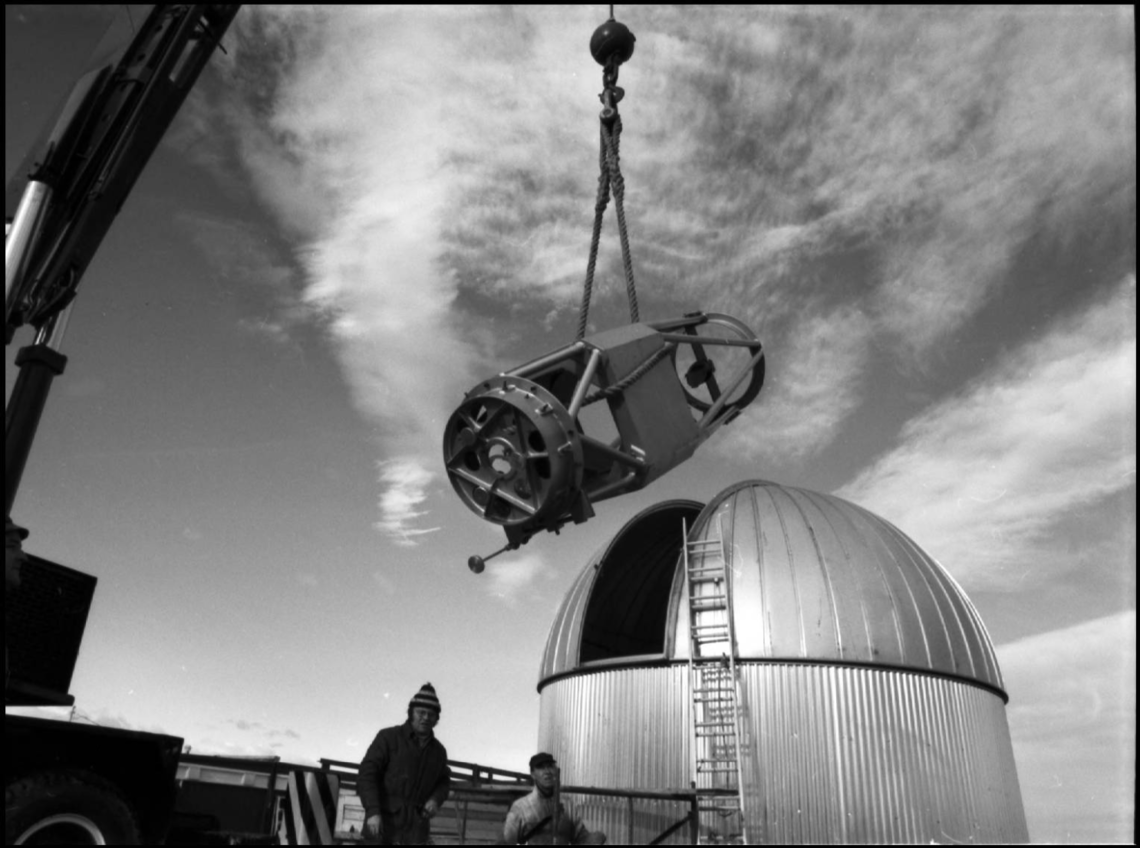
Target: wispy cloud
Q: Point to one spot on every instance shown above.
(405, 483)
(982, 478)
(259, 727)
(248, 264)
(1072, 716)
(812, 384)
(508, 576)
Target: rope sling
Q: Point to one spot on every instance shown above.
(612, 44)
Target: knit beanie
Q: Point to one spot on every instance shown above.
(426, 698)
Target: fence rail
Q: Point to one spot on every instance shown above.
(474, 813)
(481, 795)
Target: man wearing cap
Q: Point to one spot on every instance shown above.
(404, 778)
(532, 819)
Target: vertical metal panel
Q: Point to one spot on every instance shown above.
(622, 729)
(832, 753)
(857, 754)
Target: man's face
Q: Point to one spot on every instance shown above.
(423, 720)
(544, 777)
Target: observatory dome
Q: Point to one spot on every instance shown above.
(869, 707)
(815, 578)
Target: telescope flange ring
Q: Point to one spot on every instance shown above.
(513, 453)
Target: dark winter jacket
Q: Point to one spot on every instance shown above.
(397, 776)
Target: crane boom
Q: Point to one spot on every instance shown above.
(112, 123)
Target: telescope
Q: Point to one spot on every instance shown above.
(516, 451)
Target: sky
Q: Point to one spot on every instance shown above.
(928, 217)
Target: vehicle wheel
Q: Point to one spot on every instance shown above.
(67, 808)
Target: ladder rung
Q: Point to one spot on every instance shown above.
(696, 543)
(724, 693)
(709, 576)
(696, 599)
(707, 569)
(706, 562)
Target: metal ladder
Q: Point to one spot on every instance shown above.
(715, 689)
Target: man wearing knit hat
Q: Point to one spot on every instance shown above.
(404, 778)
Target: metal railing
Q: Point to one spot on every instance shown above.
(481, 795)
(473, 815)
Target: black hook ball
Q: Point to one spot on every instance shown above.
(611, 39)
(476, 564)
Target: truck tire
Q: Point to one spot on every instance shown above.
(67, 808)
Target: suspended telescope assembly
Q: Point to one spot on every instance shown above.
(516, 451)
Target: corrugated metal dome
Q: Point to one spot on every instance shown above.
(814, 579)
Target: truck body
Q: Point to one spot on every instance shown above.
(70, 782)
(73, 783)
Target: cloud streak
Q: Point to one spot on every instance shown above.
(812, 383)
(510, 576)
(982, 478)
(404, 482)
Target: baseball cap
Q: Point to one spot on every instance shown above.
(542, 759)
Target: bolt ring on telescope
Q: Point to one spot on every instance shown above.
(512, 452)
